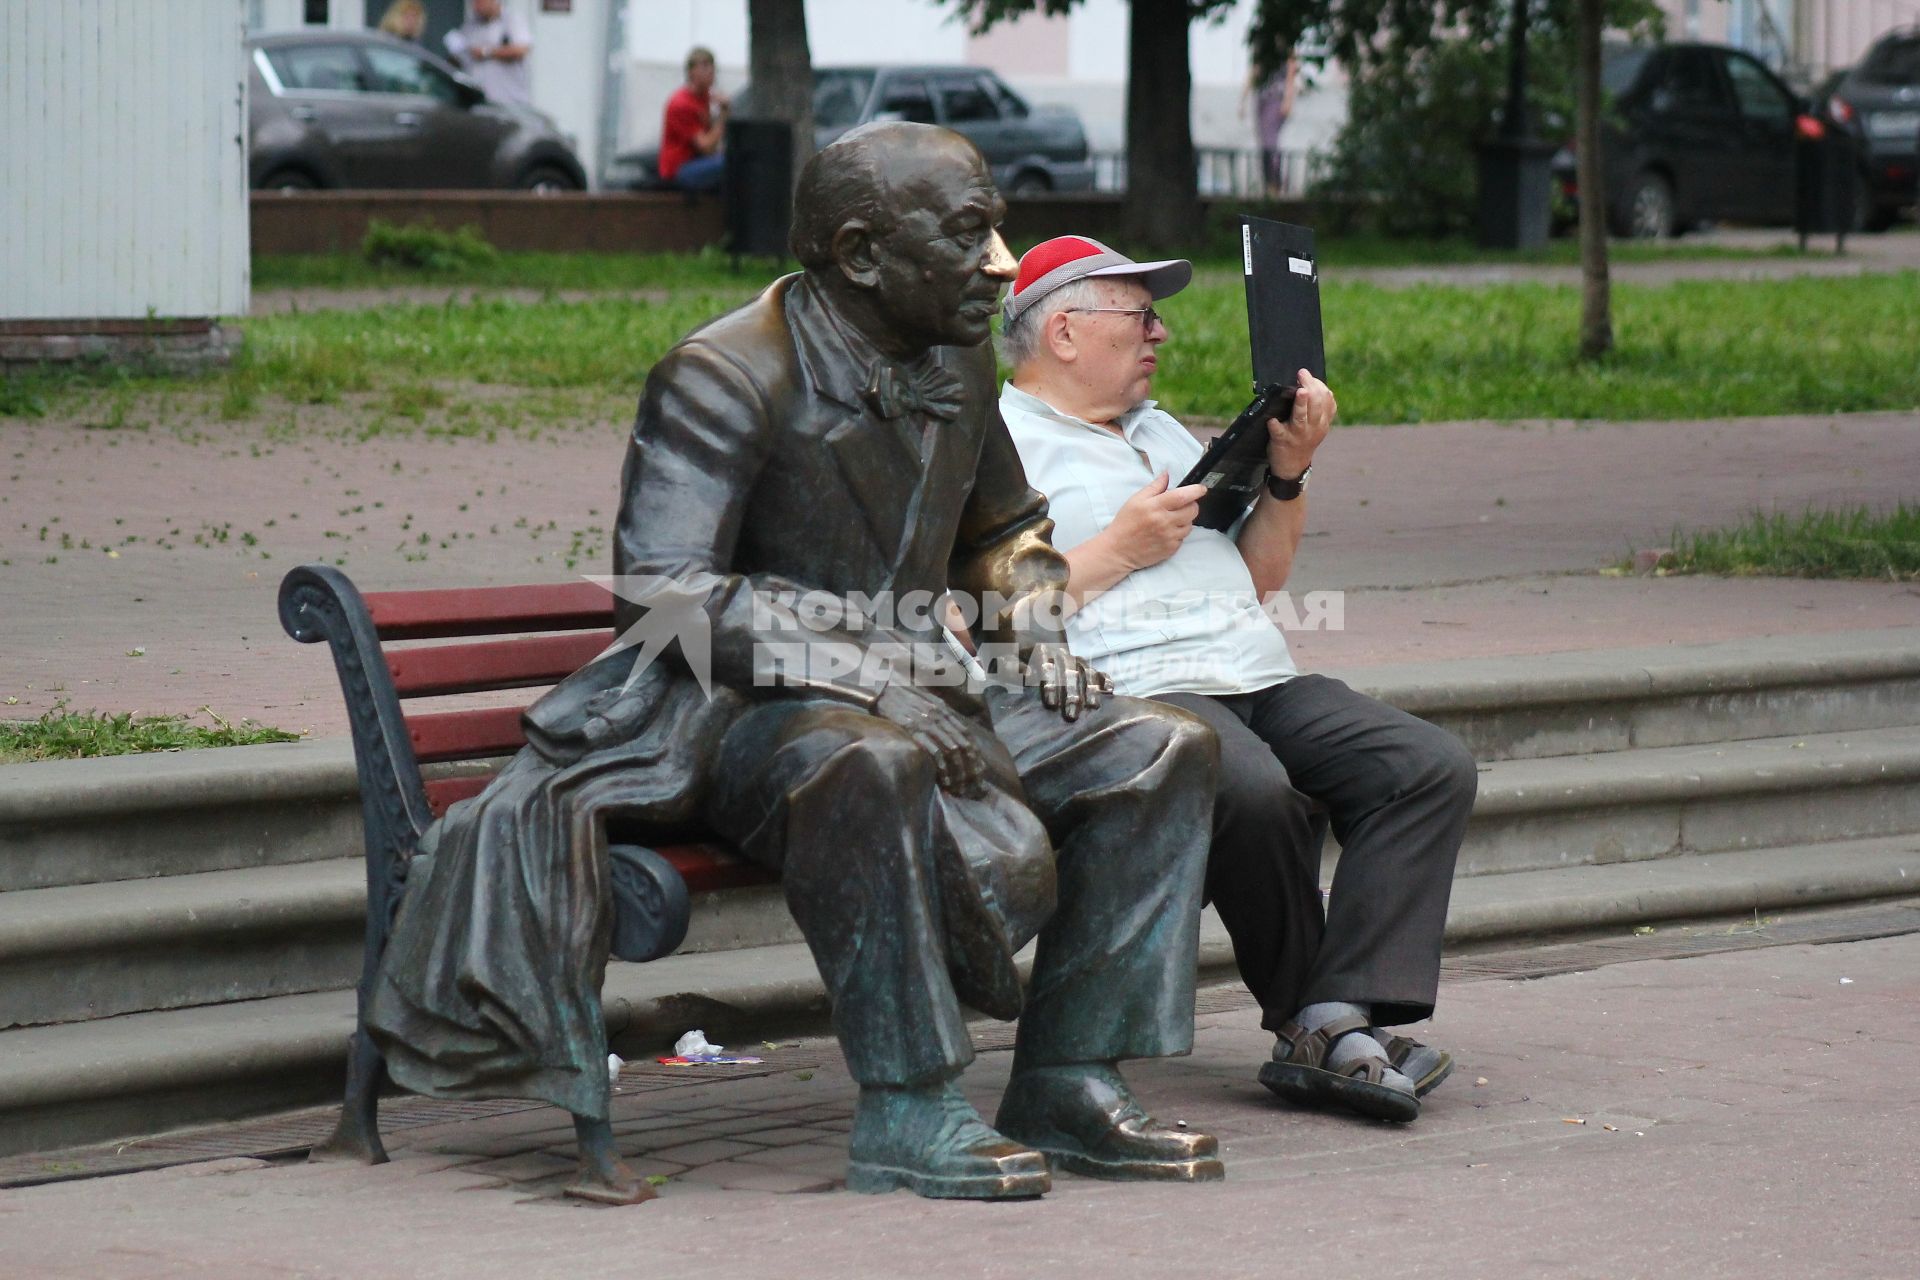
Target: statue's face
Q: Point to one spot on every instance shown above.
(942, 265)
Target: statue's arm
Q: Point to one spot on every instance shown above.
(1004, 553)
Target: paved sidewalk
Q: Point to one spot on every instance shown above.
(1452, 540)
(1735, 1115)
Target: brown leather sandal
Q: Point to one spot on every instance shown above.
(1299, 1073)
(1423, 1064)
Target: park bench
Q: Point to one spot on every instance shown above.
(505, 638)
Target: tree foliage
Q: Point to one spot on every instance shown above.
(1420, 103)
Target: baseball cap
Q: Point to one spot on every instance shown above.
(1064, 259)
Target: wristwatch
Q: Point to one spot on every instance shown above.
(1288, 490)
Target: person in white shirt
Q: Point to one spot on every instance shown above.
(492, 47)
(1173, 611)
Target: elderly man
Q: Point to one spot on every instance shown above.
(1173, 612)
(838, 437)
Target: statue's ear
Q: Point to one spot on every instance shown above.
(853, 250)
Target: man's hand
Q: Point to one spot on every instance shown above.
(939, 731)
(719, 103)
(1153, 523)
(1290, 444)
(1067, 683)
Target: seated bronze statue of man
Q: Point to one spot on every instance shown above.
(840, 436)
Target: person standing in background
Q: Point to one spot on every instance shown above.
(1273, 98)
(492, 47)
(405, 20)
(692, 127)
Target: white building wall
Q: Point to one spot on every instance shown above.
(1819, 35)
(121, 151)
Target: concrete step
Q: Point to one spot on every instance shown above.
(1581, 703)
(142, 1073)
(1623, 806)
(135, 817)
(66, 822)
(79, 952)
(90, 951)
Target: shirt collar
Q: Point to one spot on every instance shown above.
(1027, 402)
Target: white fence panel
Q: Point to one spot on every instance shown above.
(123, 186)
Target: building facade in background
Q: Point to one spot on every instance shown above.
(1802, 39)
(124, 227)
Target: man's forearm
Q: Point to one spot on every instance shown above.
(1093, 567)
(1269, 540)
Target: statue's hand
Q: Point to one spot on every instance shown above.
(939, 731)
(1067, 683)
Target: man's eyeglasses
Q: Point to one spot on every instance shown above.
(1148, 316)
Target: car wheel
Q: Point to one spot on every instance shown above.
(1881, 217)
(1650, 214)
(1030, 182)
(545, 180)
(284, 180)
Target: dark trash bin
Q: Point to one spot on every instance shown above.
(759, 187)
(1826, 181)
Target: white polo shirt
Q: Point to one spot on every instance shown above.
(1190, 624)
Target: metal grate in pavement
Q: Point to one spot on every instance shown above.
(1682, 942)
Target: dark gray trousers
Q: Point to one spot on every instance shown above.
(1396, 791)
(1092, 834)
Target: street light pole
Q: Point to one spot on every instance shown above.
(1514, 174)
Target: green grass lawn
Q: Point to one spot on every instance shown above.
(1691, 349)
(1851, 543)
(711, 269)
(72, 735)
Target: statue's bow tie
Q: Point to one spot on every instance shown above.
(893, 391)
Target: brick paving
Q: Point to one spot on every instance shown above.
(1735, 1115)
(153, 587)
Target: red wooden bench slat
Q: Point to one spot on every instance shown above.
(485, 611)
(442, 792)
(706, 867)
(465, 735)
(492, 664)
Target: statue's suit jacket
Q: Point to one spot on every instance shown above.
(757, 463)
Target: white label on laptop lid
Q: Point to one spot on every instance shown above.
(1246, 246)
(1299, 266)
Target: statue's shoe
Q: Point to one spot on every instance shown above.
(931, 1141)
(1086, 1121)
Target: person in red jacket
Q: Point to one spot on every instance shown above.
(690, 132)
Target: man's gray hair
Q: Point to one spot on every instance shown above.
(1020, 340)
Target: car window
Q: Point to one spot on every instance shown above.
(1759, 97)
(1692, 83)
(325, 67)
(1010, 104)
(967, 102)
(397, 71)
(1893, 61)
(910, 99)
(1621, 69)
(838, 98)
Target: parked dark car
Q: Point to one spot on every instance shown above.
(1030, 150)
(1878, 104)
(347, 109)
(1694, 132)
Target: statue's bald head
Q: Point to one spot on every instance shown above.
(862, 177)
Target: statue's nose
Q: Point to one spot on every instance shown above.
(1001, 264)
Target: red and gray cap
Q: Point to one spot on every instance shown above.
(1064, 259)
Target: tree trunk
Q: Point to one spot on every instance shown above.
(1596, 292)
(1162, 209)
(780, 69)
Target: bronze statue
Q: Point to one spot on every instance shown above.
(840, 435)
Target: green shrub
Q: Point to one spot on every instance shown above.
(426, 248)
